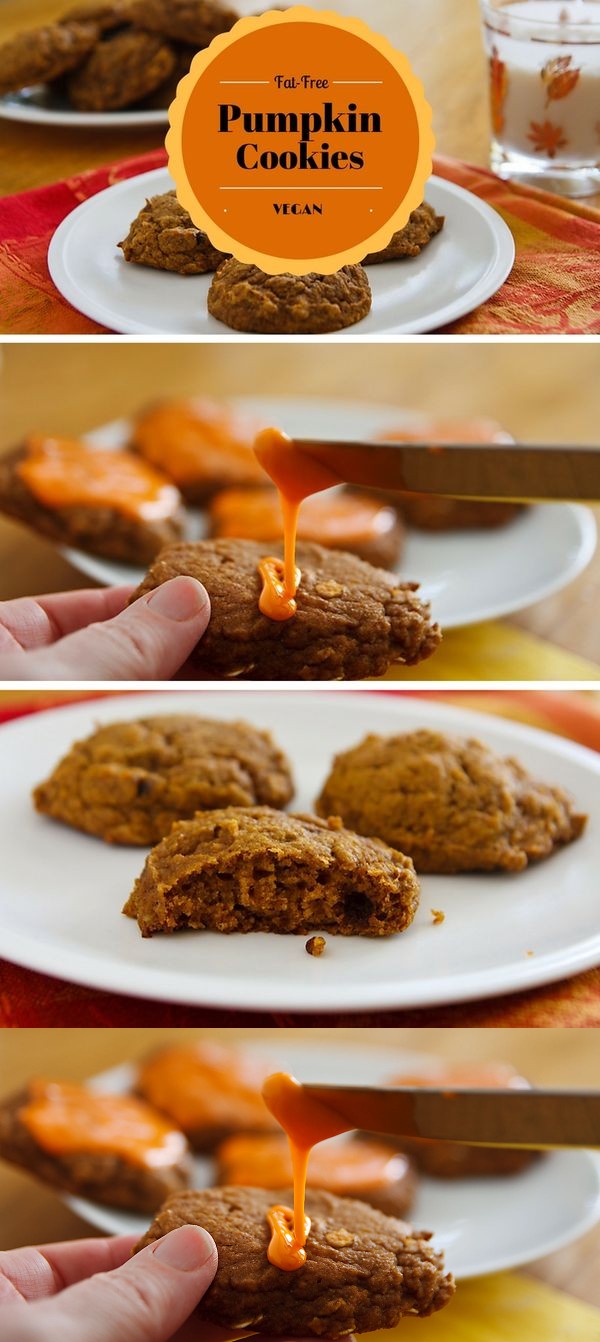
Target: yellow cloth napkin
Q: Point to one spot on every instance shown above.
(495, 651)
(502, 1308)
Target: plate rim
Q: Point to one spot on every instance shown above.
(31, 113)
(584, 518)
(418, 1058)
(498, 270)
(83, 968)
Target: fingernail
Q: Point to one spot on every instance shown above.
(187, 1248)
(179, 599)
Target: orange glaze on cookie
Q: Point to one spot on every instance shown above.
(197, 440)
(66, 473)
(64, 1118)
(205, 1084)
(296, 476)
(340, 519)
(264, 1162)
(305, 1122)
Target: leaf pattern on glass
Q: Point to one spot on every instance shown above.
(498, 90)
(546, 138)
(559, 77)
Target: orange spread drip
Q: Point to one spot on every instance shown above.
(65, 473)
(305, 1123)
(198, 440)
(284, 1250)
(64, 1118)
(296, 476)
(207, 1084)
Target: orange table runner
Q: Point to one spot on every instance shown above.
(30, 999)
(554, 286)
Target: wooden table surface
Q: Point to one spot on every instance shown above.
(29, 1213)
(549, 393)
(441, 39)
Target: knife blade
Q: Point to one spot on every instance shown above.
(496, 471)
(516, 1118)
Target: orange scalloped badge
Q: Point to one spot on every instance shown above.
(300, 141)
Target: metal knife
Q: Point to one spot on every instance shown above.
(521, 1118)
(495, 471)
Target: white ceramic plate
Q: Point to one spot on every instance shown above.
(467, 575)
(42, 107)
(482, 1225)
(61, 892)
(462, 267)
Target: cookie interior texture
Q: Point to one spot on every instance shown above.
(260, 870)
(363, 1271)
(129, 781)
(352, 620)
(453, 804)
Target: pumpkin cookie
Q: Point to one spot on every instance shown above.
(108, 503)
(209, 1090)
(259, 870)
(164, 237)
(453, 1160)
(359, 1167)
(111, 1148)
(454, 805)
(39, 55)
(202, 445)
(122, 69)
(363, 1270)
(346, 520)
(129, 781)
(105, 16)
(422, 226)
(246, 299)
(192, 21)
(352, 620)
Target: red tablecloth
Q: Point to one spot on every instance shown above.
(554, 286)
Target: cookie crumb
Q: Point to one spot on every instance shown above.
(315, 945)
(437, 915)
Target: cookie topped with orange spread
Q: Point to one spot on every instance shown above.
(108, 502)
(113, 1148)
(202, 445)
(342, 520)
(209, 1090)
(357, 1168)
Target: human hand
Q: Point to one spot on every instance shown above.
(94, 635)
(92, 1289)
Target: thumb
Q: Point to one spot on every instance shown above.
(149, 640)
(145, 1300)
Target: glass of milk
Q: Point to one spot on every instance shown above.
(544, 80)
